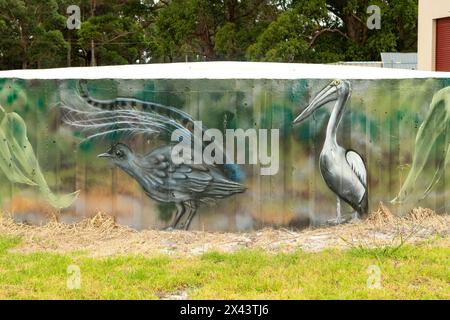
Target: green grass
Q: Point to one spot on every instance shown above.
(409, 272)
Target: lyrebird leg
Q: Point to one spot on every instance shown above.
(178, 214)
(193, 211)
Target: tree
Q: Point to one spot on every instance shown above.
(333, 30)
(209, 29)
(291, 36)
(30, 34)
(34, 32)
(114, 31)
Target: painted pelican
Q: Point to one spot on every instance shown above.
(343, 170)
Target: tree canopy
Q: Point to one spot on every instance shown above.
(34, 32)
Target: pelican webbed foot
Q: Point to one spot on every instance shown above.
(355, 217)
(337, 221)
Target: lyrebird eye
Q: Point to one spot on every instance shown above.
(119, 153)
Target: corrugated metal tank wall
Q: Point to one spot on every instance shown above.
(381, 123)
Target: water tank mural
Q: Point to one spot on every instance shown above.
(222, 154)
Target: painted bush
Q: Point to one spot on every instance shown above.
(399, 127)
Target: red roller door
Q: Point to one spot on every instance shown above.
(443, 44)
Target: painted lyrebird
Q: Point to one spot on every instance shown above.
(184, 184)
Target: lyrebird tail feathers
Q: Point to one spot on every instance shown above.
(128, 117)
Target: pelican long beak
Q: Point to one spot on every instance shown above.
(104, 155)
(326, 95)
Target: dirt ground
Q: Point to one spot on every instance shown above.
(100, 236)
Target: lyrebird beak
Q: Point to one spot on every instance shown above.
(326, 95)
(104, 155)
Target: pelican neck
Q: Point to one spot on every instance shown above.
(336, 117)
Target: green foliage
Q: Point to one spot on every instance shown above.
(31, 34)
(328, 31)
(34, 32)
(209, 30)
(432, 145)
(287, 38)
(18, 161)
(118, 39)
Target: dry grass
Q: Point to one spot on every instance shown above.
(102, 236)
(382, 229)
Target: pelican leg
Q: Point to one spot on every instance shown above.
(338, 210)
(338, 219)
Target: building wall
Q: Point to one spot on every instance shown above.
(429, 11)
